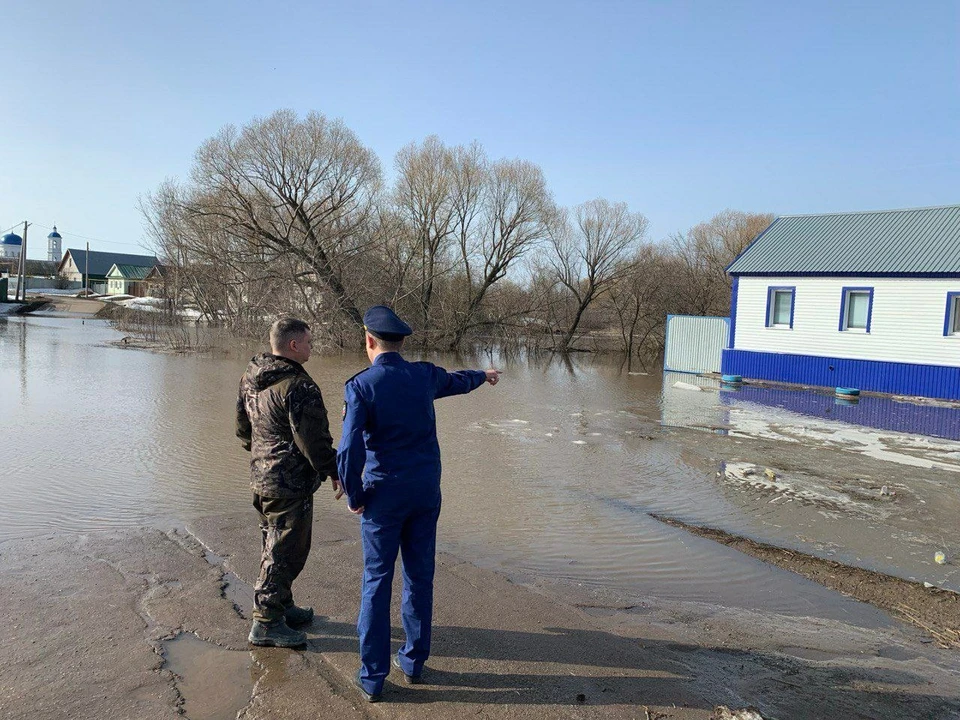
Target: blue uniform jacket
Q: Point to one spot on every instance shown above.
(390, 427)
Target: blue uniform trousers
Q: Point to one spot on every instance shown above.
(397, 519)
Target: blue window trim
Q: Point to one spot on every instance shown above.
(734, 291)
(793, 301)
(951, 301)
(843, 305)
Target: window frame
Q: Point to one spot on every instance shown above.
(772, 290)
(951, 315)
(845, 306)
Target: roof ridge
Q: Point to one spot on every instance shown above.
(871, 212)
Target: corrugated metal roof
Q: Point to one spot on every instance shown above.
(133, 272)
(913, 241)
(101, 262)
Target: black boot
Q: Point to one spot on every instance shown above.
(298, 616)
(368, 696)
(409, 679)
(276, 635)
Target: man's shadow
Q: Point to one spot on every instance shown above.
(563, 666)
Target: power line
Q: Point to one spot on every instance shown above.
(84, 237)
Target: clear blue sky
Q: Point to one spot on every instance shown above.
(680, 109)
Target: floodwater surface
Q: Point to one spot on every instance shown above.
(553, 473)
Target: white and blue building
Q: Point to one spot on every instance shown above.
(10, 246)
(865, 300)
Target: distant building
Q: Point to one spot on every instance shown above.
(865, 300)
(10, 246)
(53, 245)
(76, 265)
(156, 281)
(125, 279)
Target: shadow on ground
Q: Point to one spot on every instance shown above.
(596, 668)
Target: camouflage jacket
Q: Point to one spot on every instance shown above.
(282, 421)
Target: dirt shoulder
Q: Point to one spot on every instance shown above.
(148, 623)
(74, 306)
(931, 609)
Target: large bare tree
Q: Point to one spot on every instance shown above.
(589, 254)
(302, 188)
(503, 211)
(424, 198)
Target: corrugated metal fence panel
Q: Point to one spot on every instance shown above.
(694, 344)
(933, 381)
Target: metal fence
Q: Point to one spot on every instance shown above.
(694, 343)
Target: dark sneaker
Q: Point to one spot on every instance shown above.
(279, 635)
(369, 697)
(298, 616)
(408, 679)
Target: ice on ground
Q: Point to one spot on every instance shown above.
(761, 421)
(680, 385)
(800, 486)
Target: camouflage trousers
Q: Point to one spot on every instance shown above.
(286, 525)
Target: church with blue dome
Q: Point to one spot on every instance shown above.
(11, 245)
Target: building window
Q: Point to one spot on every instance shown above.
(951, 321)
(856, 309)
(780, 306)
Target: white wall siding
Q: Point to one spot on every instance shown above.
(906, 323)
(71, 271)
(695, 344)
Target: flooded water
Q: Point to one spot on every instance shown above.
(552, 473)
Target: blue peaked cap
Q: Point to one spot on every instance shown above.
(382, 322)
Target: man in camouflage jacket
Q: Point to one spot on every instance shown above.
(282, 421)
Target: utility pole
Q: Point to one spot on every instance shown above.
(21, 276)
(86, 271)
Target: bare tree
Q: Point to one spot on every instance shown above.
(707, 249)
(504, 215)
(641, 298)
(588, 256)
(424, 197)
(302, 188)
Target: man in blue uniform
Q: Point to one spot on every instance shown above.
(389, 468)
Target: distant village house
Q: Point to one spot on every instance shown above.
(128, 271)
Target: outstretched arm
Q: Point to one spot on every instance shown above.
(352, 453)
(461, 381)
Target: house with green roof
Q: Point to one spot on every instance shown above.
(91, 267)
(123, 279)
(866, 300)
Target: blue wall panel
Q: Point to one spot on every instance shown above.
(933, 381)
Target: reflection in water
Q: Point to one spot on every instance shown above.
(552, 473)
(881, 495)
(914, 434)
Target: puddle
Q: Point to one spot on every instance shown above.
(215, 683)
(234, 589)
